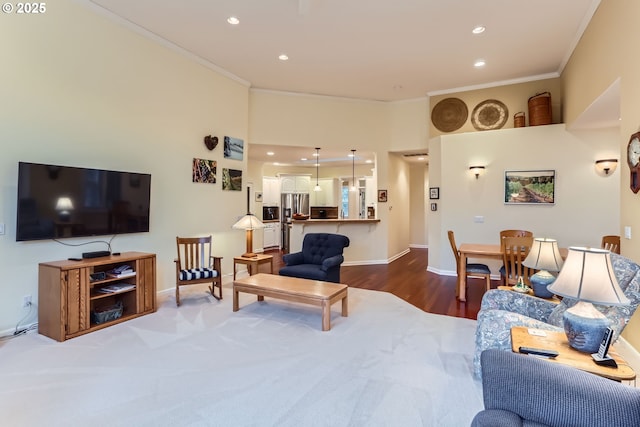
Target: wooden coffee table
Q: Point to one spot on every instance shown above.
(314, 292)
(557, 341)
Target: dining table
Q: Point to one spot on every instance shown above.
(480, 250)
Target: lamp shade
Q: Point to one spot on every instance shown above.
(544, 255)
(248, 222)
(64, 204)
(587, 275)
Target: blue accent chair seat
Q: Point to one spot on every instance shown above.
(320, 258)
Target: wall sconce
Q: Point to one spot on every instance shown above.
(607, 165)
(476, 170)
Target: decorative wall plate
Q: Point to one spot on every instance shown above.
(489, 114)
(449, 114)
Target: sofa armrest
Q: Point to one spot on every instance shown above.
(294, 258)
(333, 261)
(544, 392)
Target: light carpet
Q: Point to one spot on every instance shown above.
(269, 364)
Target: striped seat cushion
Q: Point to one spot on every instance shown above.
(198, 273)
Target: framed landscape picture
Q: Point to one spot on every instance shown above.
(530, 187)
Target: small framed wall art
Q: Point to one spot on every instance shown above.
(382, 196)
(258, 196)
(434, 193)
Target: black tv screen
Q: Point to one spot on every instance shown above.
(62, 201)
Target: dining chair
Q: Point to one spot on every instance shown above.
(471, 269)
(196, 264)
(515, 251)
(510, 233)
(611, 243)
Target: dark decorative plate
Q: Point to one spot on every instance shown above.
(489, 114)
(449, 114)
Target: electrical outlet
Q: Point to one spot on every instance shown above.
(26, 301)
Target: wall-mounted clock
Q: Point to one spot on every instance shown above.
(633, 159)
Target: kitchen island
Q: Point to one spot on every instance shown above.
(363, 247)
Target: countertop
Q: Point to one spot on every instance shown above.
(335, 221)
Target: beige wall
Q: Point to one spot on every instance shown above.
(419, 205)
(515, 97)
(582, 212)
(79, 90)
(607, 51)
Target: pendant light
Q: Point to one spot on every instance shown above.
(317, 187)
(353, 170)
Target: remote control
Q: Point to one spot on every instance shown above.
(538, 351)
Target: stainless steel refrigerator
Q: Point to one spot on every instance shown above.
(291, 203)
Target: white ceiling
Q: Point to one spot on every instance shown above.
(386, 50)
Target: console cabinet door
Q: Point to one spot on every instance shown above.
(76, 310)
(146, 284)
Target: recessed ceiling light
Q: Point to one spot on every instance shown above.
(478, 30)
(233, 20)
(276, 164)
(421, 158)
(283, 57)
(479, 63)
(369, 161)
(270, 153)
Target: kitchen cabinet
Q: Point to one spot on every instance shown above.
(271, 235)
(270, 191)
(295, 183)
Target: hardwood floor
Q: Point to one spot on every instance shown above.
(408, 278)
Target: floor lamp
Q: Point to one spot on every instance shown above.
(249, 222)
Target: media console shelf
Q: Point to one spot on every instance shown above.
(69, 292)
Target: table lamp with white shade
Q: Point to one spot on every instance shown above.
(249, 222)
(587, 276)
(545, 257)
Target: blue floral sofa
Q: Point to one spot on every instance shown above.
(501, 310)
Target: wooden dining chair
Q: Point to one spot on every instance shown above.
(510, 233)
(611, 243)
(196, 264)
(515, 251)
(476, 270)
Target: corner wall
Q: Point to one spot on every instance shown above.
(608, 51)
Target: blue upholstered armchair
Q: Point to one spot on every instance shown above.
(319, 259)
(521, 390)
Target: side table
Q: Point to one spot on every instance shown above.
(252, 263)
(552, 340)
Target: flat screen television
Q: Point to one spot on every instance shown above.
(62, 201)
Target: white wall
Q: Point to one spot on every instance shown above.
(586, 203)
(80, 90)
